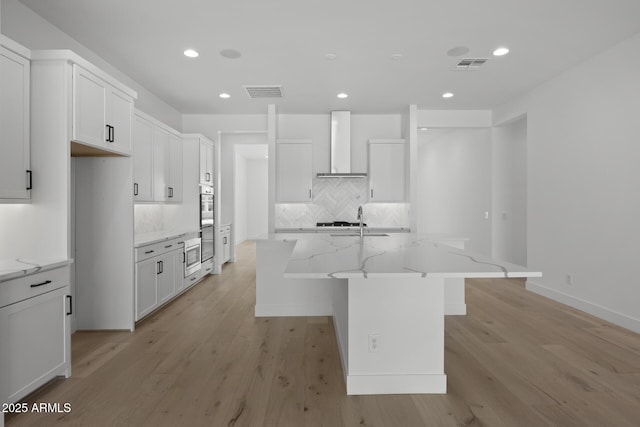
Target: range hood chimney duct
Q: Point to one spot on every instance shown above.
(341, 147)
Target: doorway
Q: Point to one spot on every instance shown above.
(251, 191)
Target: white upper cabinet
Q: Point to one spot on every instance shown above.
(206, 162)
(15, 173)
(386, 170)
(175, 168)
(142, 160)
(294, 171)
(157, 161)
(102, 114)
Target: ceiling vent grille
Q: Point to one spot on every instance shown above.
(470, 64)
(264, 91)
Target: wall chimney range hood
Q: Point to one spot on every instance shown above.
(341, 147)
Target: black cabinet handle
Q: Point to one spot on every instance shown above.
(29, 180)
(372, 192)
(309, 193)
(113, 134)
(170, 189)
(193, 278)
(46, 282)
(161, 267)
(184, 258)
(149, 252)
(70, 299)
(224, 241)
(158, 267)
(135, 188)
(168, 246)
(207, 177)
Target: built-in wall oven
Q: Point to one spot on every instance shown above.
(207, 222)
(192, 255)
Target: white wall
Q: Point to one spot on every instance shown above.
(454, 172)
(509, 193)
(583, 183)
(29, 29)
(240, 209)
(257, 197)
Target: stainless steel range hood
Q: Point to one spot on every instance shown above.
(341, 147)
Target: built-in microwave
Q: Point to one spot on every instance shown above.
(192, 248)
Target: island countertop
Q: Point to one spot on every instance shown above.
(393, 256)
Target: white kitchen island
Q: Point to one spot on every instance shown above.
(386, 296)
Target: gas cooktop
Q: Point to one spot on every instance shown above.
(339, 224)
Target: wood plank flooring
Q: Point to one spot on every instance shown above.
(517, 359)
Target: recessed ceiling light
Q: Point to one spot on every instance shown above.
(396, 56)
(447, 95)
(500, 51)
(230, 53)
(191, 53)
(224, 96)
(342, 95)
(330, 56)
(423, 128)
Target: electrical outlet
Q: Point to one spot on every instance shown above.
(374, 343)
(568, 279)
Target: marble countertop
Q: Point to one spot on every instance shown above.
(343, 229)
(14, 268)
(159, 236)
(394, 256)
(296, 235)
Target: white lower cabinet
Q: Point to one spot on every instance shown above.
(225, 235)
(35, 333)
(159, 275)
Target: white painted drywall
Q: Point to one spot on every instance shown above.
(257, 197)
(454, 174)
(583, 183)
(29, 29)
(509, 193)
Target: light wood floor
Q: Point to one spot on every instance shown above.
(516, 359)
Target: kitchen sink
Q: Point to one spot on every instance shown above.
(358, 235)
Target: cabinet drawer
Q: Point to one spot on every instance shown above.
(33, 285)
(159, 248)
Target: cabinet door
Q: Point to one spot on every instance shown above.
(294, 172)
(206, 163)
(166, 277)
(161, 165)
(146, 292)
(178, 261)
(119, 117)
(35, 339)
(89, 98)
(386, 172)
(142, 160)
(175, 168)
(14, 125)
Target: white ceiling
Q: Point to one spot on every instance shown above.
(284, 42)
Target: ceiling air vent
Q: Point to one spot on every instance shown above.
(264, 91)
(470, 64)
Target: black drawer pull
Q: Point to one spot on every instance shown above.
(29, 180)
(46, 282)
(208, 269)
(70, 305)
(168, 246)
(149, 252)
(193, 278)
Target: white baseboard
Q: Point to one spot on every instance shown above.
(397, 384)
(290, 310)
(455, 309)
(586, 306)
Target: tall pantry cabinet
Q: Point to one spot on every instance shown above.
(81, 149)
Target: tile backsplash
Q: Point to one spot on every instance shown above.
(337, 199)
(148, 218)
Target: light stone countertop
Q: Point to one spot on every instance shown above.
(144, 239)
(14, 268)
(393, 256)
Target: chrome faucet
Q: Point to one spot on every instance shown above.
(361, 219)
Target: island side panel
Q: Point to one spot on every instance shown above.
(454, 297)
(405, 317)
(277, 296)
